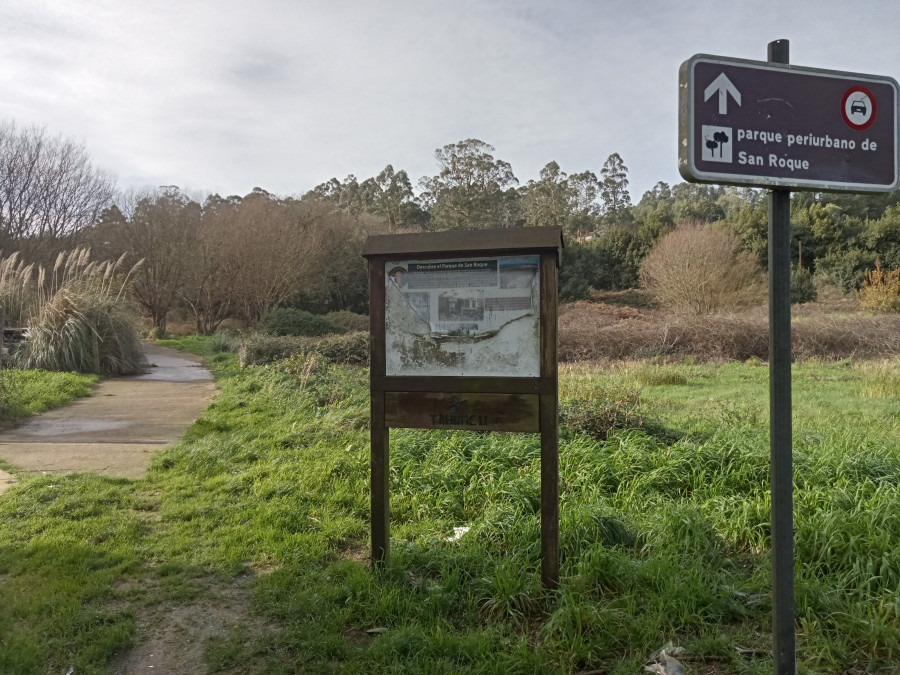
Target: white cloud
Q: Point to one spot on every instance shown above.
(230, 95)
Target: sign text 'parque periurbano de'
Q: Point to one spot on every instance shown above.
(756, 123)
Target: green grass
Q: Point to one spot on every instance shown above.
(880, 381)
(201, 345)
(24, 393)
(65, 541)
(664, 536)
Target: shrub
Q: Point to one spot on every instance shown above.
(843, 269)
(351, 349)
(802, 287)
(880, 290)
(259, 348)
(575, 288)
(224, 340)
(348, 322)
(698, 269)
(291, 321)
(610, 261)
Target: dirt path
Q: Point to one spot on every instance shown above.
(116, 429)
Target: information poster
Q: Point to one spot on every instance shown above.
(463, 316)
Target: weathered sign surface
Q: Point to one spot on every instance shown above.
(463, 316)
(757, 123)
(471, 411)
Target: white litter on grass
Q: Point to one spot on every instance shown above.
(458, 532)
(664, 661)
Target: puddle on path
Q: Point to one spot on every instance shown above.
(174, 369)
(51, 427)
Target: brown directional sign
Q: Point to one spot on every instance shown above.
(757, 123)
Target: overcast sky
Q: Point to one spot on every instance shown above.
(224, 96)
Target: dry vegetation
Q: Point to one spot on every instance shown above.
(880, 292)
(77, 313)
(604, 331)
(699, 268)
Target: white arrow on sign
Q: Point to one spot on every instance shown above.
(724, 86)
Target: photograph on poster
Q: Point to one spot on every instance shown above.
(461, 306)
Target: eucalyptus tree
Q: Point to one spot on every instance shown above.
(547, 201)
(472, 189)
(388, 195)
(585, 212)
(562, 200)
(393, 198)
(614, 190)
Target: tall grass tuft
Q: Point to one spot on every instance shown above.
(17, 289)
(597, 410)
(79, 318)
(880, 380)
(655, 376)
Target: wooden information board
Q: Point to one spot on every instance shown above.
(463, 336)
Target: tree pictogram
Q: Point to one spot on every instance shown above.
(721, 138)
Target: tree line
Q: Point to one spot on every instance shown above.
(237, 257)
(473, 189)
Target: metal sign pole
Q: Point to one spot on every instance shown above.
(782, 483)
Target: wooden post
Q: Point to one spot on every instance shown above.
(549, 428)
(380, 436)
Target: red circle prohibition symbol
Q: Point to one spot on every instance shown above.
(858, 89)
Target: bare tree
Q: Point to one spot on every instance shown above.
(211, 283)
(49, 190)
(272, 250)
(162, 231)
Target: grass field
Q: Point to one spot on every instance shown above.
(24, 393)
(664, 531)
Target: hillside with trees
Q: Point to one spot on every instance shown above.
(212, 258)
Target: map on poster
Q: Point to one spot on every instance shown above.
(463, 316)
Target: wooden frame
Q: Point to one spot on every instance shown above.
(505, 403)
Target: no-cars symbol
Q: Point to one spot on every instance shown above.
(858, 108)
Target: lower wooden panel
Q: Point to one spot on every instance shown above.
(475, 412)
